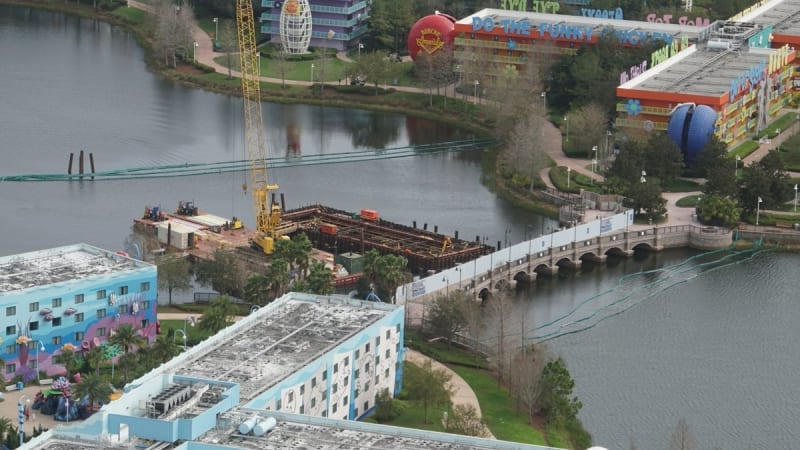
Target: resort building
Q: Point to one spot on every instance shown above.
(71, 297)
(336, 24)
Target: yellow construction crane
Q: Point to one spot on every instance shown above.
(268, 215)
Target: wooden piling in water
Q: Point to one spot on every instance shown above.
(69, 167)
(91, 163)
(80, 163)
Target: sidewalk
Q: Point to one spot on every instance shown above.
(9, 410)
(462, 392)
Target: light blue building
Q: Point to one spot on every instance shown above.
(347, 19)
(69, 297)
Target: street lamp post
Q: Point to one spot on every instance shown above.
(795, 198)
(544, 101)
(477, 83)
(569, 169)
(566, 121)
(216, 29)
(644, 175)
(183, 334)
(594, 161)
(21, 416)
(446, 286)
(312, 73)
(39, 348)
(606, 151)
(194, 51)
(360, 46)
(758, 209)
(736, 166)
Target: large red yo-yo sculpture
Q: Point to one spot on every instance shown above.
(431, 34)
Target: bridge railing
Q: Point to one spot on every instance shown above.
(465, 272)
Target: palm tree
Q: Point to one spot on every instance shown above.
(126, 336)
(256, 291)
(95, 387)
(278, 277)
(217, 317)
(320, 280)
(5, 427)
(164, 348)
(70, 360)
(301, 253)
(126, 363)
(95, 358)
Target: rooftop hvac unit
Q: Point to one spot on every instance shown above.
(248, 425)
(265, 426)
(718, 44)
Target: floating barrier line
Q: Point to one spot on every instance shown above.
(194, 169)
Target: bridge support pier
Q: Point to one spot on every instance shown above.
(549, 270)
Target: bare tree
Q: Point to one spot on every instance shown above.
(590, 123)
(525, 153)
(228, 43)
(173, 31)
(682, 439)
(281, 60)
(501, 308)
(464, 420)
(526, 373)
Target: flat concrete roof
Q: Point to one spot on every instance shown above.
(598, 24)
(280, 341)
(56, 265)
(699, 71)
(782, 15)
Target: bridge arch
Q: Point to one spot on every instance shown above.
(617, 251)
(644, 246)
(523, 277)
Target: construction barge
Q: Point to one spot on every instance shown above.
(330, 230)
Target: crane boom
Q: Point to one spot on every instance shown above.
(268, 215)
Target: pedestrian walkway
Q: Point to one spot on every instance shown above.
(462, 392)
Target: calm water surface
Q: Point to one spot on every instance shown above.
(718, 349)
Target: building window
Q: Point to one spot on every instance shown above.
(377, 359)
(290, 398)
(397, 327)
(344, 401)
(397, 347)
(335, 407)
(366, 406)
(78, 298)
(377, 380)
(101, 313)
(324, 374)
(78, 317)
(355, 394)
(335, 387)
(124, 309)
(101, 332)
(346, 360)
(366, 367)
(79, 336)
(324, 413)
(377, 341)
(144, 287)
(335, 367)
(388, 334)
(33, 326)
(278, 405)
(313, 402)
(101, 294)
(366, 387)
(388, 353)
(11, 329)
(32, 364)
(302, 409)
(324, 395)
(357, 353)
(386, 373)
(33, 307)
(56, 321)
(146, 304)
(56, 302)
(123, 290)
(314, 382)
(366, 348)
(11, 311)
(10, 349)
(302, 389)
(356, 373)
(56, 340)
(144, 323)
(11, 368)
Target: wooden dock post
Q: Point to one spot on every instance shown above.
(69, 167)
(91, 163)
(80, 163)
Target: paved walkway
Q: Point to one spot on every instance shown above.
(9, 410)
(462, 392)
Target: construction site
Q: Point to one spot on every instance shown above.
(340, 238)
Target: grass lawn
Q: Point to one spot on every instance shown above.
(680, 185)
(131, 15)
(497, 411)
(690, 201)
(413, 417)
(438, 350)
(790, 153)
(195, 334)
(744, 149)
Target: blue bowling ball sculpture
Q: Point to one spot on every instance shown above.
(691, 127)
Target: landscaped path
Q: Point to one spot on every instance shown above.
(462, 392)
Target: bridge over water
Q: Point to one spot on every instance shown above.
(545, 255)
